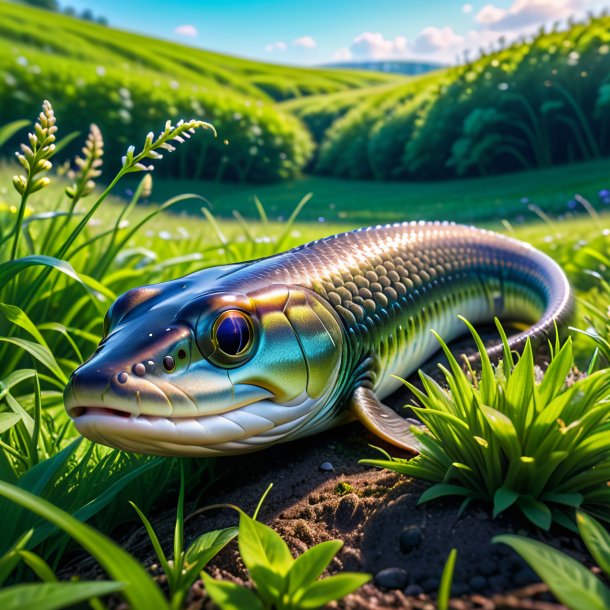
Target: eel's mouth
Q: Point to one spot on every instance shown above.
(249, 428)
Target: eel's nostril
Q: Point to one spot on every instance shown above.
(150, 366)
(139, 369)
(169, 364)
(122, 377)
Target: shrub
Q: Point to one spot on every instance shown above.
(533, 104)
(504, 438)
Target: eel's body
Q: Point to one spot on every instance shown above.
(235, 358)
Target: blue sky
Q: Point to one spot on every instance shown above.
(321, 31)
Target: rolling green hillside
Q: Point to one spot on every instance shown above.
(28, 30)
(538, 103)
(130, 84)
(534, 104)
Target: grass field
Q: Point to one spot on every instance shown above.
(359, 203)
(89, 44)
(65, 261)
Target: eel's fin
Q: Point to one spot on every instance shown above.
(383, 421)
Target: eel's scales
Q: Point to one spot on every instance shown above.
(379, 293)
(391, 284)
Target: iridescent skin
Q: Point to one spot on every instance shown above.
(332, 322)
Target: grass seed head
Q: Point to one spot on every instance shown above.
(35, 156)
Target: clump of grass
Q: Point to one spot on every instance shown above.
(505, 439)
(343, 488)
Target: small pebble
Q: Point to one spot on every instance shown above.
(409, 538)
(430, 585)
(458, 589)
(391, 578)
(478, 583)
(326, 467)
(413, 590)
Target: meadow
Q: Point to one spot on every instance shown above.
(537, 103)
(83, 218)
(69, 249)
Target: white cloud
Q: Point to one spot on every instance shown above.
(342, 54)
(523, 14)
(372, 45)
(467, 9)
(187, 30)
(276, 46)
(433, 40)
(307, 42)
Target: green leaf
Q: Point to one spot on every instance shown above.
(17, 316)
(596, 539)
(569, 499)
(336, 587)
(260, 545)
(310, 565)
(231, 596)
(38, 565)
(443, 489)
(268, 583)
(49, 596)
(444, 590)
(10, 269)
(10, 129)
(204, 548)
(10, 559)
(39, 352)
(152, 535)
(556, 373)
(141, 592)
(537, 512)
(8, 420)
(571, 583)
(504, 429)
(503, 499)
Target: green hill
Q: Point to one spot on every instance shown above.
(130, 84)
(534, 104)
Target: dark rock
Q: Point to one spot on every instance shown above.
(478, 583)
(458, 589)
(525, 576)
(430, 585)
(499, 583)
(413, 590)
(391, 578)
(326, 467)
(409, 538)
(487, 567)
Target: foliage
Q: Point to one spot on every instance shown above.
(444, 590)
(140, 590)
(280, 581)
(182, 572)
(506, 439)
(533, 104)
(129, 83)
(571, 583)
(79, 248)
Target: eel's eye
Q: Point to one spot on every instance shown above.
(232, 337)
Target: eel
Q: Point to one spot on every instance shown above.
(236, 358)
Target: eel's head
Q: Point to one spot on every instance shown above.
(184, 371)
